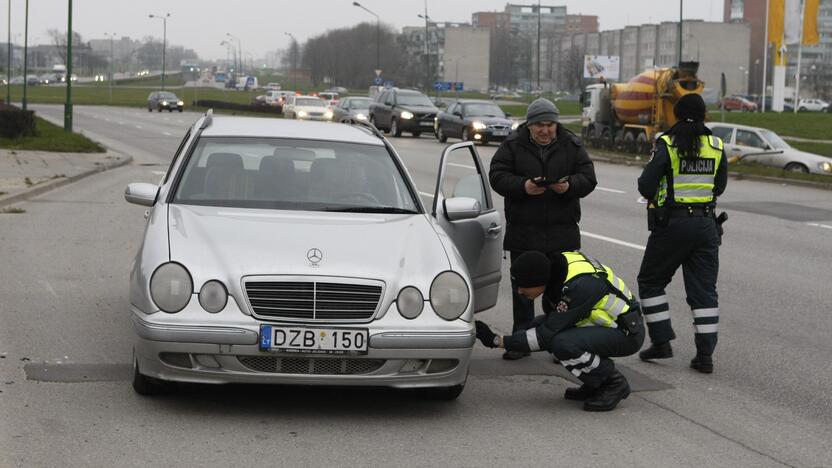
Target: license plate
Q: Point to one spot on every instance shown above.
(313, 340)
(500, 133)
(426, 124)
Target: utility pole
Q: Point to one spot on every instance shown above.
(378, 34)
(680, 32)
(68, 104)
(538, 45)
(164, 41)
(9, 59)
(25, 55)
(427, 48)
(110, 79)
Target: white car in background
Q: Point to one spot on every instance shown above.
(306, 108)
(761, 145)
(812, 105)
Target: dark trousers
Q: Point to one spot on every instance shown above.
(586, 351)
(522, 308)
(693, 244)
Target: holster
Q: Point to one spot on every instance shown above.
(657, 217)
(719, 220)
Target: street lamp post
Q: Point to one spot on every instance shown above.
(378, 35)
(239, 50)
(164, 41)
(9, 59)
(292, 57)
(110, 79)
(427, 47)
(68, 78)
(25, 55)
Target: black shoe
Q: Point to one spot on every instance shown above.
(657, 351)
(515, 355)
(611, 392)
(703, 364)
(581, 393)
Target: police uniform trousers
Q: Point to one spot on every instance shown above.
(692, 242)
(586, 351)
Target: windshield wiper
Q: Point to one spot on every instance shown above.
(372, 209)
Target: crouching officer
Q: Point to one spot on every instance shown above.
(590, 316)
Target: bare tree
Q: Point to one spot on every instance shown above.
(59, 41)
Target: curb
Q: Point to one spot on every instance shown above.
(610, 158)
(53, 184)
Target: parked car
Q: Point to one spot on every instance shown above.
(737, 103)
(351, 109)
(812, 105)
(331, 269)
(480, 121)
(330, 97)
(395, 110)
(306, 108)
(761, 145)
(164, 100)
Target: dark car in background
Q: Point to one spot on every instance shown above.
(480, 121)
(351, 109)
(164, 100)
(396, 110)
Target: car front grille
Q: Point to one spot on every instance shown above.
(311, 366)
(313, 300)
(425, 117)
(499, 127)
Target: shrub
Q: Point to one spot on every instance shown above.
(15, 123)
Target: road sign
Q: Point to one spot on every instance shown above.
(448, 86)
(378, 71)
(378, 81)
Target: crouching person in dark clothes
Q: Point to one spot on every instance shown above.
(590, 316)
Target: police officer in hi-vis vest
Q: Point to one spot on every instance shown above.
(687, 172)
(590, 316)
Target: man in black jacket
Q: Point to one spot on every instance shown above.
(542, 171)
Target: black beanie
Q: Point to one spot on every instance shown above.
(533, 268)
(690, 108)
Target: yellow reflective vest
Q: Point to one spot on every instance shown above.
(605, 311)
(693, 179)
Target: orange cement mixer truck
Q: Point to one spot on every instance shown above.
(630, 116)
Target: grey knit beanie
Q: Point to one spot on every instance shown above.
(542, 110)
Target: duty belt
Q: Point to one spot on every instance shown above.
(692, 211)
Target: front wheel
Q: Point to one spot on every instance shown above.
(394, 128)
(466, 134)
(416, 134)
(440, 135)
(797, 167)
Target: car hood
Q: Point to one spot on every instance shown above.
(490, 120)
(419, 109)
(229, 243)
(798, 155)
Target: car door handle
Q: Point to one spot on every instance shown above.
(495, 229)
(735, 149)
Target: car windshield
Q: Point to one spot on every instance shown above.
(413, 99)
(291, 174)
(360, 103)
(310, 102)
(484, 110)
(774, 140)
(168, 96)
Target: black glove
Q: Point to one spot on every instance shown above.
(487, 337)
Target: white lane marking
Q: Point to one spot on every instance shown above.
(825, 226)
(462, 165)
(138, 126)
(49, 288)
(120, 122)
(612, 240)
(166, 133)
(158, 172)
(429, 195)
(604, 189)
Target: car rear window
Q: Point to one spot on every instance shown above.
(311, 102)
(293, 174)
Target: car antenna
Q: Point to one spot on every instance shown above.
(209, 117)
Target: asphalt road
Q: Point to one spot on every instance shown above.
(65, 342)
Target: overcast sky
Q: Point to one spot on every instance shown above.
(261, 24)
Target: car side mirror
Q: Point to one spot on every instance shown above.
(458, 113)
(459, 208)
(141, 193)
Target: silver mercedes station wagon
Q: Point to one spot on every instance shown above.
(290, 252)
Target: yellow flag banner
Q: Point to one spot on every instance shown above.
(810, 22)
(776, 20)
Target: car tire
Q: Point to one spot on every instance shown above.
(394, 128)
(147, 386)
(466, 134)
(440, 135)
(416, 134)
(442, 393)
(181, 109)
(796, 167)
(802, 109)
(150, 109)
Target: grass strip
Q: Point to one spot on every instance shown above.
(50, 137)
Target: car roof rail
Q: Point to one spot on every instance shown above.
(209, 118)
(368, 126)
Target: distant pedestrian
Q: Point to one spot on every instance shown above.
(542, 171)
(681, 182)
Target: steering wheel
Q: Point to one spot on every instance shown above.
(362, 197)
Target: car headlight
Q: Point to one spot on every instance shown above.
(515, 125)
(213, 296)
(825, 166)
(301, 113)
(479, 126)
(171, 287)
(410, 302)
(407, 115)
(164, 103)
(360, 117)
(449, 295)
(328, 114)
(180, 103)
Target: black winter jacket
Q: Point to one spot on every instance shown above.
(547, 222)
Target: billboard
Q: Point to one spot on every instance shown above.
(601, 66)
